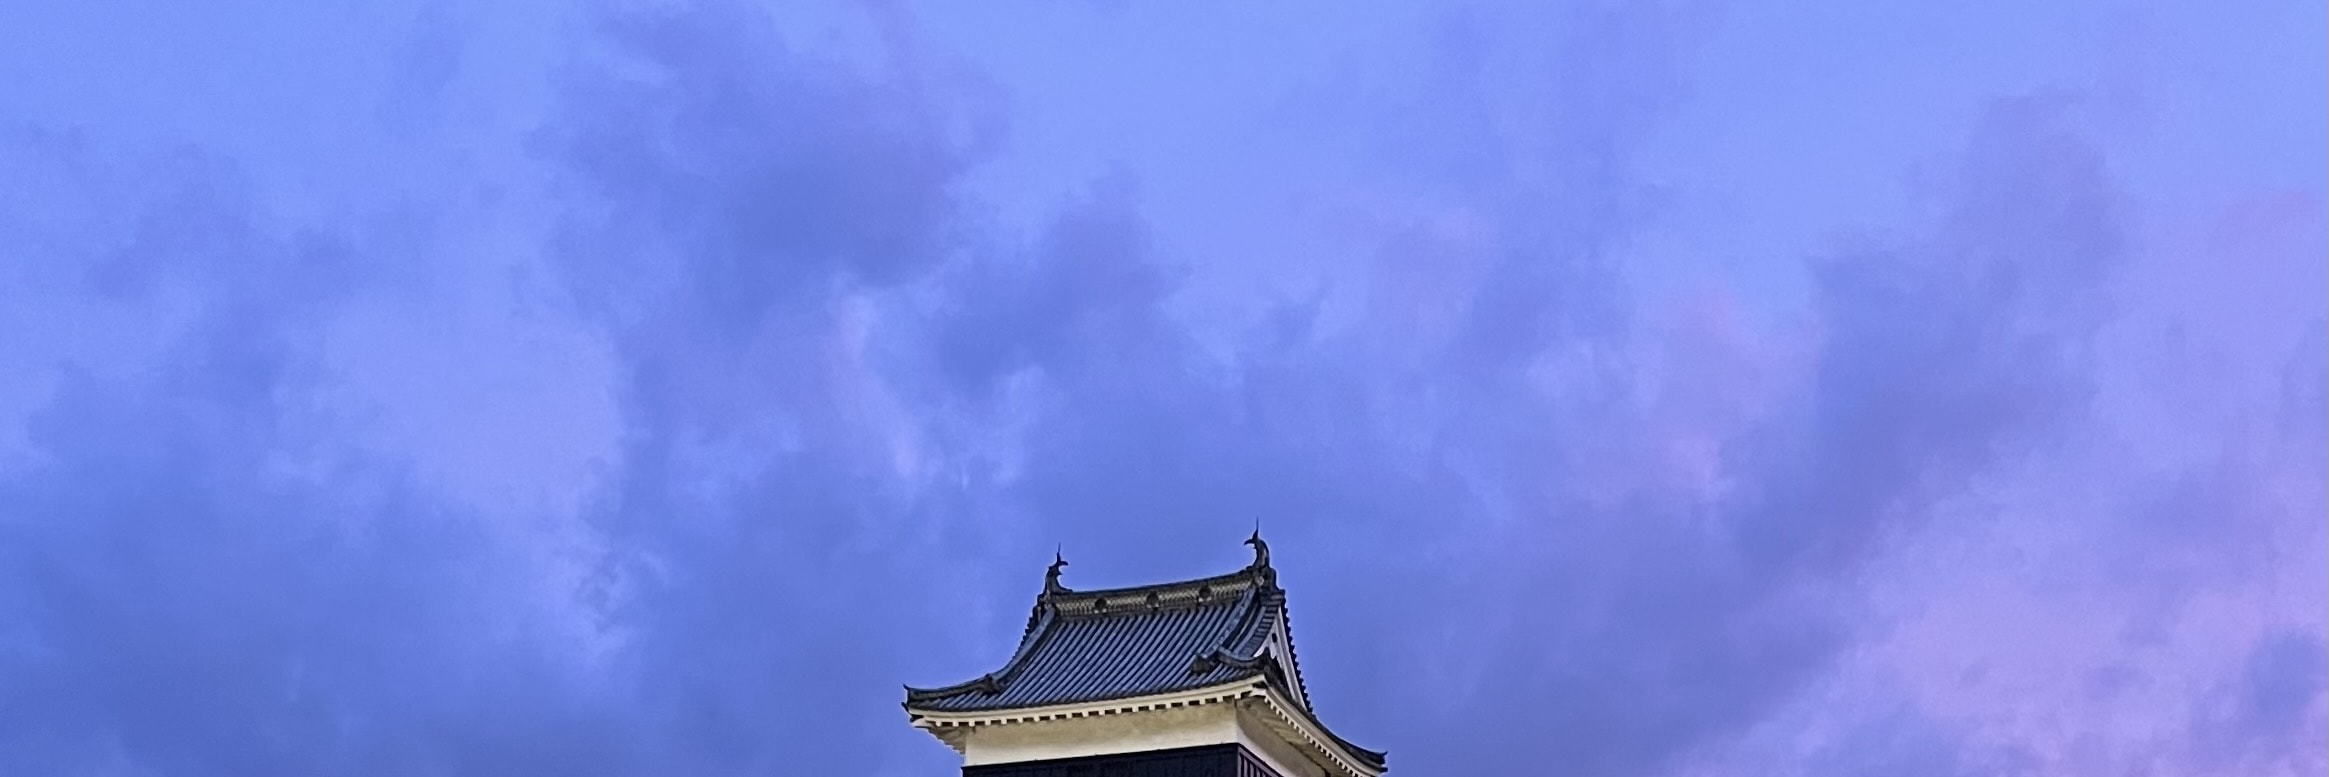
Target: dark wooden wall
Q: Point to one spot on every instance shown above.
(1206, 761)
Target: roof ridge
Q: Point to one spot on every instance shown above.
(1220, 648)
(992, 682)
(1227, 578)
(1258, 570)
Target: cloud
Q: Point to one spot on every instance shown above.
(739, 220)
(677, 445)
(2281, 681)
(770, 176)
(201, 576)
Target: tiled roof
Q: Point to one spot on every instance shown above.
(1086, 646)
(1118, 655)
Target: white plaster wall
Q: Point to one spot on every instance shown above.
(1273, 750)
(1210, 724)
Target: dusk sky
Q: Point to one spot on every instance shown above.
(1823, 387)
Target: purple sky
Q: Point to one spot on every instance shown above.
(1834, 387)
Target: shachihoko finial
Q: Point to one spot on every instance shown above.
(1261, 549)
(1051, 574)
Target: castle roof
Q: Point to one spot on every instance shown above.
(1126, 643)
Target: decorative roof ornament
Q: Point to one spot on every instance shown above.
(1051, 586)
(1261, 557)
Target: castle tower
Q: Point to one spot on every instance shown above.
(1187, 679)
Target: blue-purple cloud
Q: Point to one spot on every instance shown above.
(493, 390)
